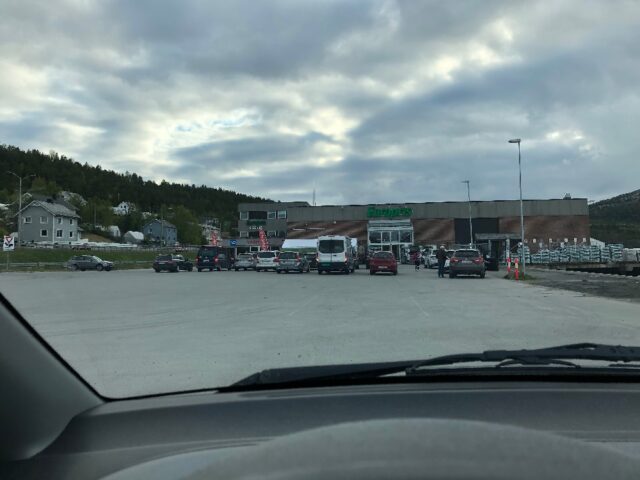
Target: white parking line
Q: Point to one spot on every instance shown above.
(426, 315)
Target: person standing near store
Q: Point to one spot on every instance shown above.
(416, 260)
(441, 255)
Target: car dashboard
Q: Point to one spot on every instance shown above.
(176, 436)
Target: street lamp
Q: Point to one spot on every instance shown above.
(470, 223)
(19, 202)
(522, 256)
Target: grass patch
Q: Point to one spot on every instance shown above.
(61, 256)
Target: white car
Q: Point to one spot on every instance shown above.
(431, 261)
(267, 260)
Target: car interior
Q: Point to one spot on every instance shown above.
(55, 425)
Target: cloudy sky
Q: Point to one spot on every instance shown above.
(365, 101)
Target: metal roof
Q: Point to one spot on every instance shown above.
(56, 209)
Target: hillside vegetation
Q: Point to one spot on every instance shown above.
(181, 204)
(617, 219)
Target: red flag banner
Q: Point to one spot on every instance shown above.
(214, 239)
(264, 243)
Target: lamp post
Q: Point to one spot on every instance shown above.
(19, 202)
(522, 256)
(470, 222)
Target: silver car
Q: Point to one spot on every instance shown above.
(267, 261)
(245, 261)
(292, 262)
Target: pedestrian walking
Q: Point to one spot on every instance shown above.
(416, 260)
(441, 255)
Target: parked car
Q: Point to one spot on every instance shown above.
(335, 253)
(267, 260)
(183, 263)
(292, 262)
(383, 262)
(467, 262)
(89, 262)
(312, 258)
(491, 263)
(211, 257)
(245, 261)
(431, 261)
(165, 263)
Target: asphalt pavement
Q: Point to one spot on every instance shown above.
(136, 332)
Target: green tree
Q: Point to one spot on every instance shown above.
(187, 224)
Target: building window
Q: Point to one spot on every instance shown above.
(254, 234)
(282, 234)
(44, 220)
(271, 234)
(44, 233)
(244, 234)
(282, 214)
(271, 215)
(244, 215)
(70, 234)
(406, 236)
(58, 233)
(27, 220)
(59, 220)
(71, 221)
(374, 237)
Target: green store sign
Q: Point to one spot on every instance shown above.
(373, 212)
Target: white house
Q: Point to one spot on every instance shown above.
(133, 237)
(114, 231)
(123, 208)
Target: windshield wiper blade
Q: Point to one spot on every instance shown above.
(326, 374)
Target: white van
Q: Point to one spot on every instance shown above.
(335, 253)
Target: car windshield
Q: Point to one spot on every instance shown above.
(331, 246)
(157, 157)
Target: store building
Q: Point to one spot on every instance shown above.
(398, 226)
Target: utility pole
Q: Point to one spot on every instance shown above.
(19, 202)
(161, 225)
(522, 255)
(470, 222)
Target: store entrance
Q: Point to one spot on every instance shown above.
(390, 235)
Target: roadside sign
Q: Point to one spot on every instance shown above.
(9, 244)
(233, 243)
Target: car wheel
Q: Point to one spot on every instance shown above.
(99, 267)
(211, 269)
(74, 268)
(199, 270)
(236, 269)
(157, 270)
(191, 269)
(371, 272)
(482, 274)
(452, 275)
(395, 273)
(319, 272)
(278, 271)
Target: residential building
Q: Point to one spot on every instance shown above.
(133, 237)
(48, 221)
(123, 208)
(160, 231)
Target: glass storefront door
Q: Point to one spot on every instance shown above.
(390, 235)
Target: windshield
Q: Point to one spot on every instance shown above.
(230, 131)
(331, 246)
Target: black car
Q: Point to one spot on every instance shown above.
(165, 263)
(212, 258)
(491, 263)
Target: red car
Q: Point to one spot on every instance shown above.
(383, 262)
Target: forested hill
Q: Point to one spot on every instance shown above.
(55, 172)
(617, 219)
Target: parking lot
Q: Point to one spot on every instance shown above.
(135, 332)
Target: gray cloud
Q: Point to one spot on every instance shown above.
(381, 101)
